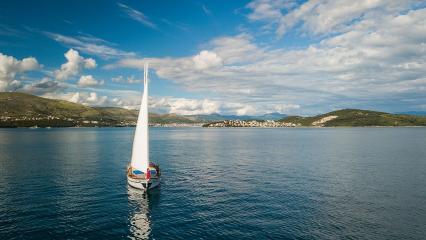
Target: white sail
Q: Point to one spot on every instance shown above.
(140, 151)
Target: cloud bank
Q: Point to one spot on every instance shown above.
(368, 63)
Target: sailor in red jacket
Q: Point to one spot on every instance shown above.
(148, 173)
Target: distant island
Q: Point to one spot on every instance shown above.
(25, 110)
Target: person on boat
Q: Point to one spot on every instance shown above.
(156, 167)
(148, 173)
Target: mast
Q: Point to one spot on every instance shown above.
(140, 151)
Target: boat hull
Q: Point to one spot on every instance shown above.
(143, 184)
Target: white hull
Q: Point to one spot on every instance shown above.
(143, 184)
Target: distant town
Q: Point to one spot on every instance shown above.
(251, 123)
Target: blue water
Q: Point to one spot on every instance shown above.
(335, 183)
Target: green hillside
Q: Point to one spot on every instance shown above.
(24, 110)
(357, 118)
(21, 104)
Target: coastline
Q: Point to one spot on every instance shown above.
(198, 126)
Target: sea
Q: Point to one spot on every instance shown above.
(218, 183)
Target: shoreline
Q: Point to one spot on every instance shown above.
(177, 126)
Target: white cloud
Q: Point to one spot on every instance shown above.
(10, 67)
(206, 59)
(85, 98)
(186, 106)
(137, 16)
(75, 97)
(246, 110)
(285, 108)
(88, 81)
(90, 45)
(268, 10)
(74, 65)
(322, 16)
(236, 49)
(131, 79)
(93, 98)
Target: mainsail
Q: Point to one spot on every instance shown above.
(140, 151)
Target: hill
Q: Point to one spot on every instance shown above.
(24, 110)
(356, 118)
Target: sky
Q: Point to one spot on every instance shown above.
(226, 57)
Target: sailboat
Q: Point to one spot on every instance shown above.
(141, 173)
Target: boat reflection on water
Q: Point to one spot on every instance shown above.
(140, 216)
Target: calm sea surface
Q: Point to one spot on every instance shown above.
(335, 183)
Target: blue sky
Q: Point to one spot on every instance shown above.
(228, 57)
